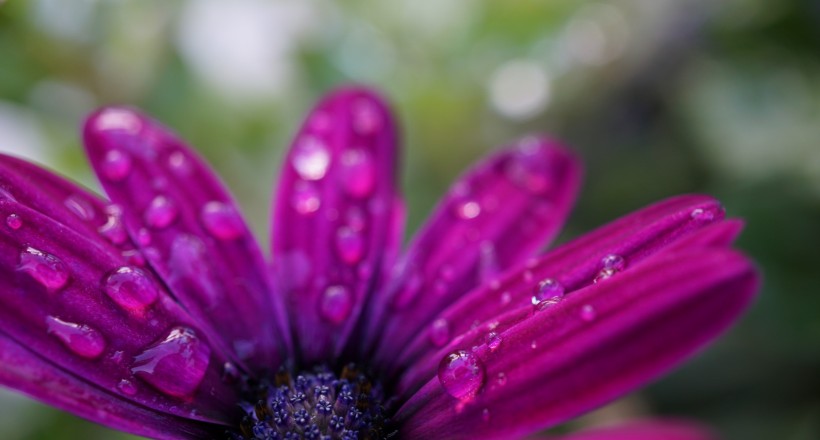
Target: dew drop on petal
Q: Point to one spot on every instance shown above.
(336, 304)
(130, 288)
(14, 221)
(230, 374)
(79, 207)
(467, 209)
(614, 262)
(462, 374)
(144, 237)
(588, 313)
(83, 340)
(116, 165)
(440, 332)
(305, 199)
(704, 215)
(357, 173)
(179, 164)
(222, 221)
(493, 341)
(366, 117)
(311, 158)
(127, 387)
(349, 245)
(603, 275)
(506, 298)
(548, 292)
(175, 365)
(45, 268)
(529, 168)
(118, 119)
(113, 229)
(161, 212)
(501, 379)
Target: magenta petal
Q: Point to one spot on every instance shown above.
(628, 241)
(335, 217)
(87, 309)
(646, 430)
(191, 233)
(565, 360)
(499, 213)
(22, 370)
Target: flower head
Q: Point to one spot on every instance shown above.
(157, 314)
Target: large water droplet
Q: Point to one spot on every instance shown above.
(614, 262)
(161, 212)
(349, 245)
(130, 288)
(357, 173)
(440, 332)
(176, 365)
(222, 221)
(83, 340)
(336, 304)
(305, 199)
(311, 158)
(530, 168)
(547, 293)
(116, 165)
(461, 374)
(45, 268)
(367, 118)
(14, 221)
(79, 207)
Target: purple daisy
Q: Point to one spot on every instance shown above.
(156, 313)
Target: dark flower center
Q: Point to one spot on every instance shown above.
(319, 404)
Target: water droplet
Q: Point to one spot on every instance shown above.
(161, 212)
(604, 274)
(130, 288)
(222, 221)
(530, 168)
(79, 207)
(175, 365)
(113, 229)
(116, 165)
(179, 164)
(14, 221)
(230, 374)
(588, 313)
(440, 332)
(614, 262)
(534, 345)
(467, 209)
(118, 119)
(488, 263)
(493, 341)
(462, 374)
(349, 245)
(305, 198)
(357, 173)
(311, 158)
(336, 304)
(501, 379)
(547, 293)
(45, 268)
(506, 298)
(143, 237)
(367, 118)
(83, 340)
(127, 387)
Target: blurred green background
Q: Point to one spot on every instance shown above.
(659, 97)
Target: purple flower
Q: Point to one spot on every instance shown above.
(156, 313)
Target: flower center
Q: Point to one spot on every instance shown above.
(319, 404)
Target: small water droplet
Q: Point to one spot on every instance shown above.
(534, 345)
(488, 263)
(462, 374)
(349, 245)
(367, 118)
(127, 387)
(305, 199)
(614, 262)
(588, 313)
(493, 341)
(161, 212)
(118, 119)
(45, 268)
(179, 164)
(706, 214)
(311, 158)
(175, 365)
(336, 304)
(79, 207)
(230, 374)
(144, 237)
(113, 229)
(83, 340)
(603, 275)
(506, 298)
(116, 165)
(14, 221)
(501, 379)
(530, 168)
(548, 292)
(467, 209)
(222, 221)
(130, 288)
(440, 332)
(358, 173)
